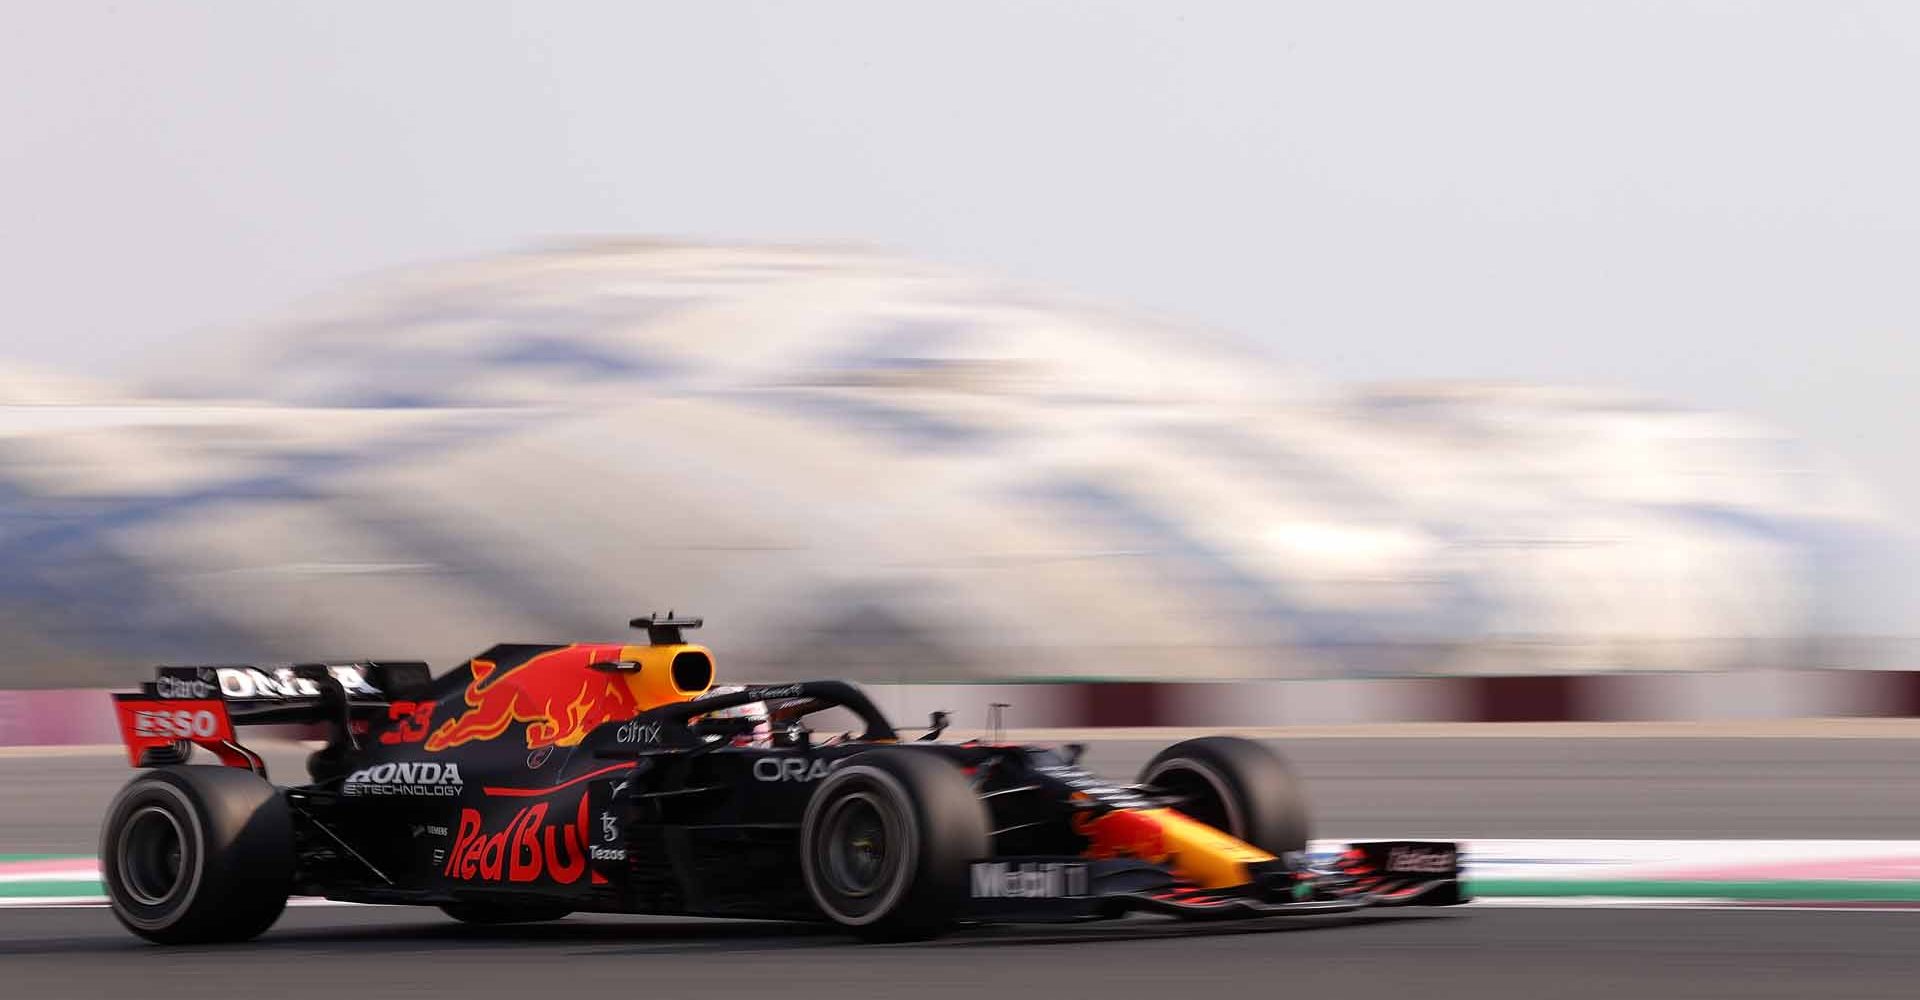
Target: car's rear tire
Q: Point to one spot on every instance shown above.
(1235, 785)
(487, 914)
(192, 855)
(886, 843)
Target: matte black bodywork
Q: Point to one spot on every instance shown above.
(673, 811)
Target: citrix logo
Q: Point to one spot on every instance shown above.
(638, 732)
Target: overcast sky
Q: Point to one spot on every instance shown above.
(1717, 203)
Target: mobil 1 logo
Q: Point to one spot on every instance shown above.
(1029, 880)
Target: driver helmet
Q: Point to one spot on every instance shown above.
(757, 711)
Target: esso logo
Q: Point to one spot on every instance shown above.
(175, 724)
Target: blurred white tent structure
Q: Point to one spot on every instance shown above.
(854, 464)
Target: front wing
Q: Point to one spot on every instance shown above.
(1369, 874)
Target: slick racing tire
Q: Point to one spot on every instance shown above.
(1234, 785)
(493, 913)
(886, 843)
(192, 855)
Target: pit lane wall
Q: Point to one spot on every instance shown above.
(85, 716)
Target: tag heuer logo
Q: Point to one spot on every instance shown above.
(1415, 860)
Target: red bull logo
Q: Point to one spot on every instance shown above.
(530, 847)
(555, 693)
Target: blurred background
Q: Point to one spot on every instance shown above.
(985, 342)
(1366, 376)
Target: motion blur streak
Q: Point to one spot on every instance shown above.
(872, 467)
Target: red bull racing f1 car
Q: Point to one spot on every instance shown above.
(539, 780)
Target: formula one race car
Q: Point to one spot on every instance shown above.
(539, 780)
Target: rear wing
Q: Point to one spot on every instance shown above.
(185, 707)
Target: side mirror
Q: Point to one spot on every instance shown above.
(936, 724)
(1072, 752)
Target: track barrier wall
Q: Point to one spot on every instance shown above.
(85, 716)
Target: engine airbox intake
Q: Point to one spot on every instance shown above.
(668, 674)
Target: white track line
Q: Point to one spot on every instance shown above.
(1676, 903)
(76, 875)
(72, 902)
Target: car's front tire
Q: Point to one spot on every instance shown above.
(197, 854)
(886, 843)
(1237, 786)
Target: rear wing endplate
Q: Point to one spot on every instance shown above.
(188, 706)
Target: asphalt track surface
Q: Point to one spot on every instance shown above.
(380, 952)
(1498, 787)
(1502, 787)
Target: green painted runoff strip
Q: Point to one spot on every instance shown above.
(40, 890)
(1837, 890)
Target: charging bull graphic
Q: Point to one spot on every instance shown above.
(1207, 856)
(561, 695)
(1123, 833)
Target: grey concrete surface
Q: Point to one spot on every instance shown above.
(378, 952)
(1442, 787)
